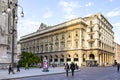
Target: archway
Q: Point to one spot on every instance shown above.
(68, 58)
(76, 57)
(91, 61)
(91, 56)
(61, 60)
(50, 59)
(56, 60)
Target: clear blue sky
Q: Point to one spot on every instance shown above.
(52, 12)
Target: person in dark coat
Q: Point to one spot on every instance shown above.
(76, 66)
(10, 69)
(72, 67)
(18, 68)
(67, 69)
(118, 67)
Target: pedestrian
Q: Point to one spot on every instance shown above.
(53, 65)
(10, 69)
(26, 66)
(118, 67)
(67, 69)
(76, 66)
(18, 68)
(72, 67)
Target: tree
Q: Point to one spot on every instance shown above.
(28, 58)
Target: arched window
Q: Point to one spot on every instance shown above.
(76, 55)
(50, 59)
(91, 56)
(68, 55)
(68, 58)
(46, 56)
(83, 57)
(56, 56)
(50, 56)
(62, 55)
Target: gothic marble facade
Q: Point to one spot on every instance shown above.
(6, 23)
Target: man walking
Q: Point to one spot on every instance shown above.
(72, 67)
(26, 66)
(18, 68)
(118, 67)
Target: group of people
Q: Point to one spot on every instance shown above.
(10, 69)
(71, 67)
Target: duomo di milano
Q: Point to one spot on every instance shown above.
(86, 41)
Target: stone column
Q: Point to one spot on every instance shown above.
(105, 58)
(108, 58)
(72, 40)
(72, 58)
(100, 59)
(65, 59)
(80, 57)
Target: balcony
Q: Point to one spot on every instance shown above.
(3, 44)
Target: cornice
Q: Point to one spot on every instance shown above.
(56, 27)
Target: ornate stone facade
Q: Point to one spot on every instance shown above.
(86, 41)
(6, 23)
(117, 52)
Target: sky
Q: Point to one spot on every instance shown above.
(52, 12)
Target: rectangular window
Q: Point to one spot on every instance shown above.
(75, 59)
(76, 44)
(56, 60)
(50, 60)
(68, 59)
(61, 60)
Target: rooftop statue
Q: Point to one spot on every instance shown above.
(42, 27)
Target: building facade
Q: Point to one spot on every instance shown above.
(86, 41)
(6, 23)
(117, 52)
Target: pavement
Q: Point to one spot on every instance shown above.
(101, 73)
(28, 73)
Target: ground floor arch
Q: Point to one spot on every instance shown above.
(80, 57)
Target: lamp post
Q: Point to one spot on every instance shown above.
(12, 7)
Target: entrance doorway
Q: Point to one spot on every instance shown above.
(91, 61)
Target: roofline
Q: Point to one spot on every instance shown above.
(55, 27)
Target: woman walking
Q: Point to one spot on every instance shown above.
(67, 69)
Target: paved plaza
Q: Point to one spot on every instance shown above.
(58, 73)
(31, 72)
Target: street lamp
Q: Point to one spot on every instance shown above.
(12, 7)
